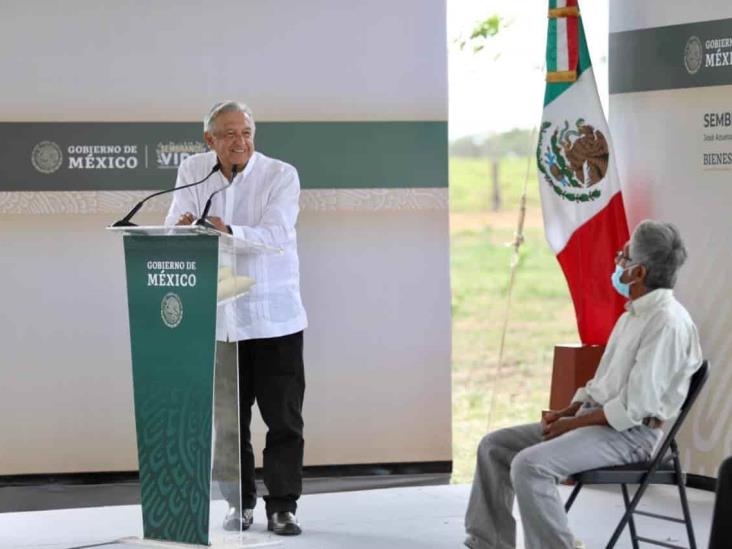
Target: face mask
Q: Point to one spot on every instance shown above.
(621, 287)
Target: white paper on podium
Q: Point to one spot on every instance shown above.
(232, 287)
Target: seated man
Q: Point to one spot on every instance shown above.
(641, 381)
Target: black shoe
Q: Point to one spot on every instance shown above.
(235, 522)
(283, 524)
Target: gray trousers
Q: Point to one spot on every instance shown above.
(518, 461)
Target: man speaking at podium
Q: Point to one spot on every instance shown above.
(259, 203)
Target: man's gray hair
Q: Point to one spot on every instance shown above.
(658, 247)
(222, 107)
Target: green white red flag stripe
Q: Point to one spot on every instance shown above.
(563, 39)
(584, 216)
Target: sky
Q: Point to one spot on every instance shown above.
(502, 87)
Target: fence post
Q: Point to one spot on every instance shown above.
(496, 195)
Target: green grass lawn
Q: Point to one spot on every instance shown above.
(470, 184)
(541, 314)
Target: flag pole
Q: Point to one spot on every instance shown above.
(515, 259)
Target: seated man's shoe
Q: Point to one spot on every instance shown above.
(283, 524)
(234, 522)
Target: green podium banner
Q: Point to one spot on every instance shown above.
(171, 287)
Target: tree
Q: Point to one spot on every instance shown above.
(482, 32)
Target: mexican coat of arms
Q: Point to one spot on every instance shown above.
(573, 159)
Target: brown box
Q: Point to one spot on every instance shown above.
(574, 365)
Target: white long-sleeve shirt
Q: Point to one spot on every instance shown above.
(261, 205)
(648, 362)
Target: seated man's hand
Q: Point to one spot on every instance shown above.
(549, 416)
(557, 428)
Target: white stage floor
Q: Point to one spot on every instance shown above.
(398, 518)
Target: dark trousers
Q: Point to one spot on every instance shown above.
(271, 371)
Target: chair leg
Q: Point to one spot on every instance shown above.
(680, 483)
(572, 496)
(629, 511)
(631, 521)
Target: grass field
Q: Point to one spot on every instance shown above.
(541, 314)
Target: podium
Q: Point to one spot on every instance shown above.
(182, 283)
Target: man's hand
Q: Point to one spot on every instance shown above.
(565, 424)
(556, 428)
(218, 224)
(186, 219)
(550, 416)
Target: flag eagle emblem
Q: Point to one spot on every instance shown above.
(573, 159)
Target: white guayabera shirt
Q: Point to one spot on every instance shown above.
(648, 362)
(260, 205)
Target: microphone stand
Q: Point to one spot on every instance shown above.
(202, 221)
(125, 221)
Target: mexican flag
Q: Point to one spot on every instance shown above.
(584, 217)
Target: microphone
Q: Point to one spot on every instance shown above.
(125, 221)
(202, 220)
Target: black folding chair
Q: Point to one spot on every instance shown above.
(664, 468)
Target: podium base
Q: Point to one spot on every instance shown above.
(227, 541)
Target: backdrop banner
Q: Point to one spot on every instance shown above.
(672, 131)
(111, 156)
(672, 57)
